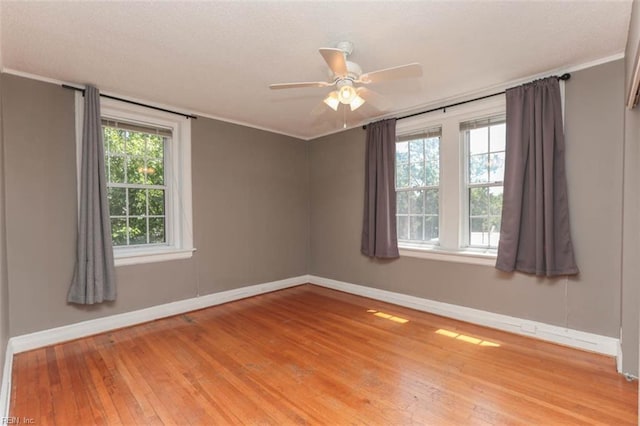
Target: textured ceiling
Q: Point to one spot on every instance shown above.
(218, 58)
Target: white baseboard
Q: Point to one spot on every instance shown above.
(56, 335)
(551, 333)
(619, 356)
(5, 391)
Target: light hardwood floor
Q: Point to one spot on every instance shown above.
(309, 355)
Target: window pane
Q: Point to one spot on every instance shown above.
(498, 137)
(478, 201)
(494, 231)
(154, 172)
(479, 235)
(119, 232)
(137, 202)
(156, 202)
(431, 230)
(155, 147)
(402, 152)
(402, 202)
(432, 204)
(403, 227)
(402, 175)
(478, 168)
(417, 174)
(117, 198)
(136, 144)
(433, 173)
(113, 140)
(416, 226)
(115, 169)
(496, 167)
(416, 202)
(156, 230)
(137, 230)
(416, 151)
(432, 149)
(135, 170)
(495, 196)
(485, 231)
(479, 141)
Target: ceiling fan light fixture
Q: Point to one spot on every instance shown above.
(356, 103)
(332, 100)
(346, 94)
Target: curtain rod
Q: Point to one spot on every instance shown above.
(565, 76)
(78, 89)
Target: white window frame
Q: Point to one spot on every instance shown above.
(421, 188)
(179, 215)
(452, 193)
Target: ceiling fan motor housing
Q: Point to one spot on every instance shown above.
(353, 72)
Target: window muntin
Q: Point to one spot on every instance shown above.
(484, 146)
(136, 183)
(417, 187)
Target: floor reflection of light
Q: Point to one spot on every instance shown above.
(466, 338)
(388, 316)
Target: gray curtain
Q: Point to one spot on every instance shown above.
(379, 236)
(534, 235)
(94, 275)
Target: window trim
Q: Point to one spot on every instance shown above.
(470, 256)
(452, 182)
(179, 214)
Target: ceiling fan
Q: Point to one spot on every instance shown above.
(345, 74)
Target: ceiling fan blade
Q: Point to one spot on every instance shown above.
(335, 59)
(374, 99)
(402, 71)
(301, 84)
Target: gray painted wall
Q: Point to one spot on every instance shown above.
(4, 283)
(631, 241)
(249, 200)
(594, 123)
(590, 302)
(250, 205)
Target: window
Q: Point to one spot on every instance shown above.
(136, 188)
(417, 187)
(148, 170)
(484, 145)
(449, 172)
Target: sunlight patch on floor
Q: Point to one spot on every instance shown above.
(468, 339)
(388, 316)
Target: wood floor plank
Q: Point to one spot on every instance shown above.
(309, 355)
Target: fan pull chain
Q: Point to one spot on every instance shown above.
(344, 116)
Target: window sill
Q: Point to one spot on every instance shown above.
(470, 256)
(138, 256)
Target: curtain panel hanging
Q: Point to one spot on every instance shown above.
(379, 236)
(535, 236)
(94, 274)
